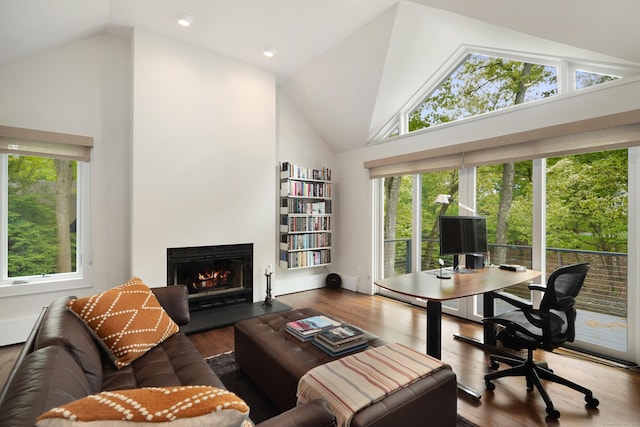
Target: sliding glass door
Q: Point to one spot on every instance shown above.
(542, 214)
(587, 221)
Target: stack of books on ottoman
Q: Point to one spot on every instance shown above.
(341, 340)
(331, 336)
(306, 329)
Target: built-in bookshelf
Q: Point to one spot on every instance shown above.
(305, 216)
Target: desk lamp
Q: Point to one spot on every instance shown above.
(442, 275)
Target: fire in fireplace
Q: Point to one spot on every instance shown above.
(214, 275)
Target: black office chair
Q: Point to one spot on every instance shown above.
(546, 328)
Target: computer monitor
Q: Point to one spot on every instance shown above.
(462, 235)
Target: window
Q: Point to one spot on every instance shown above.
(586, 79)
(481, 84)
(397, 225)
(433, 184)
(587, 221)
(484, 82)
(44, 210)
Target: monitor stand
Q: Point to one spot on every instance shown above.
(470, 261)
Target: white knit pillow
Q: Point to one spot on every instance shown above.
(191, 406)
(127, 319)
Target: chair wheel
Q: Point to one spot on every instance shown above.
(490, 386)
(553, 413)
(592, 402)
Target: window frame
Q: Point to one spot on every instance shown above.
(47, 144)
(565, 69)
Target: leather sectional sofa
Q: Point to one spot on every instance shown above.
(62, 362)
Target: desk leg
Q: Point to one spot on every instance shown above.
(434, 341)
(488, 330)
(434, 328)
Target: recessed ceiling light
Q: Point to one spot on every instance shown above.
(269, 51)
(183, 19)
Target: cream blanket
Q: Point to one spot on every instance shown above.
(356, 381)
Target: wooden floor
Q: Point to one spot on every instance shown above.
(617, 388)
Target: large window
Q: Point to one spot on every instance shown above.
(584, 200)
(397, 225)
(587, 221)
(482, 82)
(44, 209)
(42, 203)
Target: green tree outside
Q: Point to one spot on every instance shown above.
(34, 209)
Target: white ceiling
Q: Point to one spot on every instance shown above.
(305, 30)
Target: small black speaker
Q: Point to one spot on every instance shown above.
(474, 261)
(333, 281)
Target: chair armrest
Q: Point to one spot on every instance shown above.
(312, 414)
(175, 301)
(537, 287)
(514, 300)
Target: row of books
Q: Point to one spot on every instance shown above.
(303, 207)
(288, 170)
(305, 189)
(305, 258)
(296, 223)
(294, 242)
(329, 335)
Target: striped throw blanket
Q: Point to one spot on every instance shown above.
(356, 381)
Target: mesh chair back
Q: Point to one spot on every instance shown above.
(564, 282)
(558, 303)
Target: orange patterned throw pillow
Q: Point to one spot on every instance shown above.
(128, 319)
(182, 406)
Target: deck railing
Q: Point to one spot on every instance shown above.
(604, 290)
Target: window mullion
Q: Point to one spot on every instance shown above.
(3, 217)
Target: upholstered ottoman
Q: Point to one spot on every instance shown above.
(276, 361)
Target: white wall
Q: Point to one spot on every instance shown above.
(299, 143)
(356, 220)
(80, 88)
(204, 156)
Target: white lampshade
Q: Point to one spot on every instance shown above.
(443, 199)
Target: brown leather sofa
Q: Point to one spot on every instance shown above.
(61, 362)
(276, 361)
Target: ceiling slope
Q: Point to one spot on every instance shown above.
(337, 91)
(608, 27)
(30, 26)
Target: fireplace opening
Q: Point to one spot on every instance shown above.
(214, 275)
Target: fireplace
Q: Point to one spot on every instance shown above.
(215, 276)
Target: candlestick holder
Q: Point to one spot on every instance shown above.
(268, 301)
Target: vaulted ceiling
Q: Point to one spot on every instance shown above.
(347, 64)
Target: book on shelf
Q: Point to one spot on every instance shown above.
(288, 170)
(342, 334)
(305, 329)
(341, 349)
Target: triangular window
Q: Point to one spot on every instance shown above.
(587, 79)
(481, 84)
